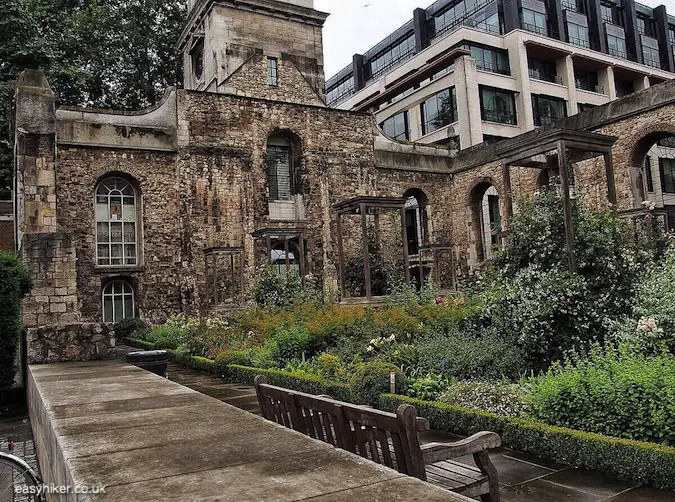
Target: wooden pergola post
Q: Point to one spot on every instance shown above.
(366, 251)
(611, 184)
(341, 257)
(567, 205)
(508, 196)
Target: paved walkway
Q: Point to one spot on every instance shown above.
(15, 428)
(145, 438)
(523, 477)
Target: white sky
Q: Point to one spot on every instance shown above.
(354, 26)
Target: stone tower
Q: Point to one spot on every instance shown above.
(270, 49)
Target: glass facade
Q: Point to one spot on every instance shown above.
(397, 127)
(497, 106)
(490, 59)
(616, 46)
(399, 52)
(439, 110)
(543, 70)
(547, 109)
(578, 35)
(469, 13)
(651, 56)
(339, 92)
(533, 21)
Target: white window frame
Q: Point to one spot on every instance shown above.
(119, 185)
(108, 294)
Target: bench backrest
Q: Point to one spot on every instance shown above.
(386, 438)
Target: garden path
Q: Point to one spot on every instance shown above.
(523, 478)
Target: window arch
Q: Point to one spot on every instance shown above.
(486, 217)
(119, 301)
(116, 223)
(285, 257)
(283, 166)
(416, 219)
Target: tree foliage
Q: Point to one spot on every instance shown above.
(96, 53)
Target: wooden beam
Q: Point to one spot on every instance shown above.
(567, 206)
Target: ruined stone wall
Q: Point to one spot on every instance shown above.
(252, 80)
(153, 174)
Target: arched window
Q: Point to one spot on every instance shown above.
(486, 218)
(283, 167)
(116, 223)
(415, 219)
(118, 301)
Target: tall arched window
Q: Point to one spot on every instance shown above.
(416, 219)
(116, 223)
(285, 257)
(486, 219)
(118, 301)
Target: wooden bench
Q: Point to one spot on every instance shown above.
(386, 438)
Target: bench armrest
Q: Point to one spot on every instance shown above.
(482, 441)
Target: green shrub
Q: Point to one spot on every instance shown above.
(429, 387)
(225, 359)
(647, 463)
(309, 384)
(612, 392)
(166, 332)
(277, 290)
(265, 357)
(476, 354)
(373, 379)
(131, 328)
(292, 344)
(166, 343)
(501, 398)
(139, 344)
(15, 283)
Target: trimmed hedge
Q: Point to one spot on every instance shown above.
(647, 463)
(302, 383)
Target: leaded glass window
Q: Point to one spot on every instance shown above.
(118, 301)
(116, 223)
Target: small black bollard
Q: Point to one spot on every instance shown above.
(155, 361)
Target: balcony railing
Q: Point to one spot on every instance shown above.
(535, 29)
(580, 42)
(399, 60)
(569, 5)
(490, 66)
(617, 52)
(500, 116)
(546, 77)
(587, 86)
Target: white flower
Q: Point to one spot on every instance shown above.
(392, 338)
(370, 348)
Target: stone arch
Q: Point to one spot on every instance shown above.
(485, 217)
(637, 147)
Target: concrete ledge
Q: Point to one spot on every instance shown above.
(147, 438)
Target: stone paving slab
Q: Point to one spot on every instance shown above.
(149, 439)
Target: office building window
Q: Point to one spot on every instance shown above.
(533, 21)
(573, 5)
(397, 127)
(497, 106)
(623, 88)
(546, 109)
(439, 110)
(340, 91)
(667, 168)
(616, 46)
(651, 56)
(611, 13)
(671, 35)
(490, 59)
(543, 70)
(578, 35)
(272, 72)
(587, 81)
(398, 52)
(645, 26)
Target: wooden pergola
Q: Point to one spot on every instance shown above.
(285, 235)
(568, 146)
(365, 206)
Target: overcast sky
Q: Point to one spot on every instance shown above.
(356, 25)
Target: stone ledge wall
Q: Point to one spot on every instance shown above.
(70, 342)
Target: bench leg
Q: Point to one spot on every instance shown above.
(483, 462)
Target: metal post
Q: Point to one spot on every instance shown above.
(567, 206)
(288, 262)
(406, 258)
(366, 251)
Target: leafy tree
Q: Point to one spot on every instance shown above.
(100, 53)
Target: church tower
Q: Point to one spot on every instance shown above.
(271, 49)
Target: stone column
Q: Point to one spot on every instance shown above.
(606, 80)
(565, 68)
(470, 127)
